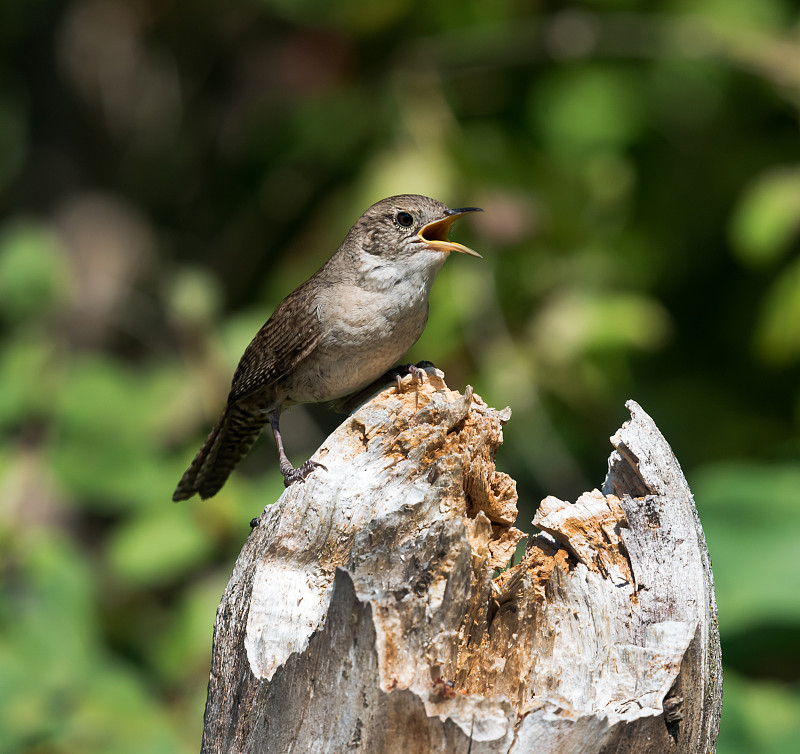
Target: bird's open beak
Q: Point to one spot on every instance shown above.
(435, 234)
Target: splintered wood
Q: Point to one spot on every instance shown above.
(367, 612)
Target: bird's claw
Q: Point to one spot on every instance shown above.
(417, 372)
(292, 475)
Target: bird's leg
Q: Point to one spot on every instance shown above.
(290, 473)
(418, 376)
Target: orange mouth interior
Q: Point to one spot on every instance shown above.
(435, 236)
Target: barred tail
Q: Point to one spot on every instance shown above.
(226, 445)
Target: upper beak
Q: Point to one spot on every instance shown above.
(435, 234)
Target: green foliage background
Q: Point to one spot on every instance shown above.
(169, 171)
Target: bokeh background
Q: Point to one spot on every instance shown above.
(170, 170)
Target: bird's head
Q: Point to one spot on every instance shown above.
(408, 233)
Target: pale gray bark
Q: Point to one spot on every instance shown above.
(365, 612)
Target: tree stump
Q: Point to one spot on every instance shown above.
(369, 609)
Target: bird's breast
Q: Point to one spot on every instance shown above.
(362, 334)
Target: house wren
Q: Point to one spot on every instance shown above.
(338, 332)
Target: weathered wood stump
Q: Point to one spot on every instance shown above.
(366, 612)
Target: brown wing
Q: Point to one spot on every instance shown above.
(289, 335)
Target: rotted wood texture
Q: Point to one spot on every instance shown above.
(373, 608)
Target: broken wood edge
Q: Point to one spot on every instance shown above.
(642, 453)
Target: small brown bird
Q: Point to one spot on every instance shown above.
(335, 334)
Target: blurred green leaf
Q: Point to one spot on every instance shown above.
(115, 711)
(767, 219)
(749, 508)
(194, 296)
(47, 613)
(777, 338)
(187, 643)
(34, 273)
(158, 545)
(110, 422)
(582, 322)
(739, 14)
(759, 716)
(29, 376)
(588, 107)
(58, 688)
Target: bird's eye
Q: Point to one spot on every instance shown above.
(405, 219)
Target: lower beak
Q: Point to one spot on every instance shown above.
(435, 234)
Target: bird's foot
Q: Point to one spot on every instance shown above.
(292, 475)
(417, 371)
(396, 374)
